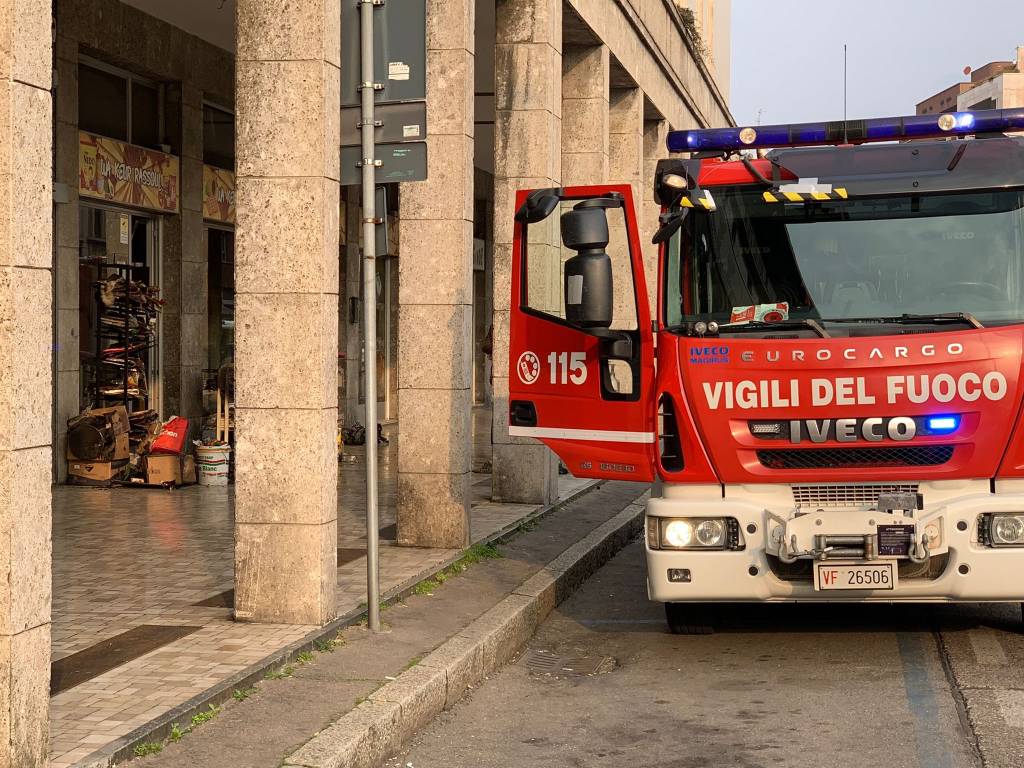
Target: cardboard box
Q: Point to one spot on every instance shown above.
(163, 469)
(96, 471)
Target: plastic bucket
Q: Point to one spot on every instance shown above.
(213, 463)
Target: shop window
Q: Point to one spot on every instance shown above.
(119, 105)
(218, 137)
(102, 103)
(145, 115)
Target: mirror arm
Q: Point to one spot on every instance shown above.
(615, 345)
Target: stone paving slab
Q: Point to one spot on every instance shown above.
(128, 557)
(92, 715)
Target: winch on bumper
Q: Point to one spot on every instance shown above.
(774, 551)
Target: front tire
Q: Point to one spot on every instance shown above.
(689, 618)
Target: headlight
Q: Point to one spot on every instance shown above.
(711, 533)
(676, 534)
(1007, 530)
(693, 533)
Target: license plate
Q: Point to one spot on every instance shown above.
(854, 576)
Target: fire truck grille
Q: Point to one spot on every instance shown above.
(832, 458)
(853, 496)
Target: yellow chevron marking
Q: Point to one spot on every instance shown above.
(686, 202)
(841, 191)
(793, 197)
(707, 204)
(770, 198)
(820, 195)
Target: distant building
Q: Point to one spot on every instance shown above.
(997, 85)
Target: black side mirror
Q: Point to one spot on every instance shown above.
(538, 205)
(588, 274)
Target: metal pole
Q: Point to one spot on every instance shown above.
(369, 310)
(845, 133)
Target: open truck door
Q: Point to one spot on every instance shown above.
(581, 352)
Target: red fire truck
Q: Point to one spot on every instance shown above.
(828, 397)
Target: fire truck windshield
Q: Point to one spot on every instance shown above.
(839, 260)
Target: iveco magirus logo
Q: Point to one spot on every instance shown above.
(874, 430)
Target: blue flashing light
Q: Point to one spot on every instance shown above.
(964, 120)
(943, 425)
(852, 131)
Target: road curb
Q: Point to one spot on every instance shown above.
(159, 728)
(381, 725)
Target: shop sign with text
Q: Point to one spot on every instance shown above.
(117, 172)
(218, 195)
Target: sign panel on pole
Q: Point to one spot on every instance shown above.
(399, 162)
(399, 51)
(403, 121)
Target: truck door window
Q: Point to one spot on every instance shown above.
(545, 267)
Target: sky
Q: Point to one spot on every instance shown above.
(787, 55)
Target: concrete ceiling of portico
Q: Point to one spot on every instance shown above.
(209, 20)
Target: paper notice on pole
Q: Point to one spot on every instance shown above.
(410, 131)
(124, 229)
(398, 70)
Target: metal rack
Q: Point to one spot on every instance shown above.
(128, 338)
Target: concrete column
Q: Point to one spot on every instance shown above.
(626, 137)
(585, 82)
(286, 284)
(195, 269)
(655, 133)
(185, 270)
(435, 295)
(67, 333)
(626, 154)
(26, 380)
(527, 154)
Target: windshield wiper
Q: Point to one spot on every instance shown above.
(790, 323)
(912, 319)
(753, 325)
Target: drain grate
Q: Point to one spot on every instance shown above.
(544, 662)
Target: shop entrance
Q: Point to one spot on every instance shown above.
(117, 243)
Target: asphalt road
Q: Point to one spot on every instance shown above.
(776, 685)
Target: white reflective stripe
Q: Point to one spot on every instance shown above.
(601, 435)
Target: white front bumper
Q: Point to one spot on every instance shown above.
(973, 573)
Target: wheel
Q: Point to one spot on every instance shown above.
(689, 618)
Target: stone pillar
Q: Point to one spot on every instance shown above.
(67, 339)
(286, 319)
(585, 82)
(655, 133)
(195, 267)
(527, 154)
(435, 295)
(185, 270)
(626, 153)
(26, 380)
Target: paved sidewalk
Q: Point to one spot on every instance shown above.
(135, 565)
(282, 714)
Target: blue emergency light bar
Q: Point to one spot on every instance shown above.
(849, 131)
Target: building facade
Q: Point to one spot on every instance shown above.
(196, 144)
(997, 85)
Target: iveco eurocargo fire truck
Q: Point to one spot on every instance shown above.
(828, 397)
